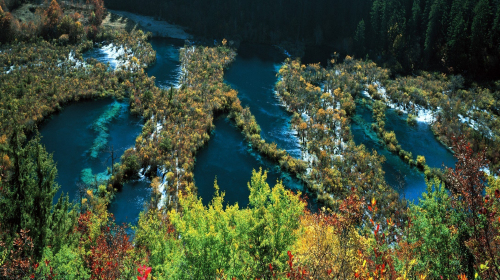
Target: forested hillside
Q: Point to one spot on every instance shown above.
(262, 21)
(456, 36)
(459, 36)
(345, 222)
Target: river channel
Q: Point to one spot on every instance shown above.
(72, 135)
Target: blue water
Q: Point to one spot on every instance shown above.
(419, 140)
(167, 66)
(253, 75)
(130, 201)
(227, 156)
(408, 181)
(69, 135)
(101, 56)
(231, 160)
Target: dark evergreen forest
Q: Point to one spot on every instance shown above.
(396, 69)
(455, 36)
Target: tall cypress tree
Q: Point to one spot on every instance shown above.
(26, 201)
(458, 41)
(376, 16)
(359, 37)
(481, 24)
(434, 29)
(416, 19)
(495, 30)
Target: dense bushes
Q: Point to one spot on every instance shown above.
(53, 22)
(366, 232)
(322, 121)
(274, 238)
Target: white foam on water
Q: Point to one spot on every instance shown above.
(475, 125)
(72, 59)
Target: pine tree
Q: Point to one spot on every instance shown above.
(5, 23)
(457, 38)
(359, 38)
(416, 18)
(53, 15)
(495, 30)
(438, 250)
(435, 28)
(27, 199)
(481, 24)
(62, 220)
(376, 24)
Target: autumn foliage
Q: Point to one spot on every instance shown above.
(467, 183)
(53, 22)
(361, 231)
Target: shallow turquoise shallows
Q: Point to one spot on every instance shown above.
(419, 140)
(84, 129)
(80, 135)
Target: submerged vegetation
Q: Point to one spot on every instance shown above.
(362, 230)
(100, 127)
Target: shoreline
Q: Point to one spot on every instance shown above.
(130, 21)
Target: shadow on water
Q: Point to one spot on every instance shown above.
(227, 155)
(408, 181)
(167, 66)
(130, 201)
(253, 75)
(231, 160)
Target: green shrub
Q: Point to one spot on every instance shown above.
(411, 120)
(130, 163)
(421, 162)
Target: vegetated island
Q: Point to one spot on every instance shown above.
(363, 230)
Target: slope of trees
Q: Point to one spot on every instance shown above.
(364, 232)
(449, 234)
(52, 21)
(315, 22)
(459, 36)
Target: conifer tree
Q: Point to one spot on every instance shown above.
(5, 22)
(495, 30)
(479, 30)
(359, 38)
(27, 197)
(53, 15)
(435, 28)
(457, 37)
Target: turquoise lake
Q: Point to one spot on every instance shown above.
(72, 133)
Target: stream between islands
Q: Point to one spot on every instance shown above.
(81, 134)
